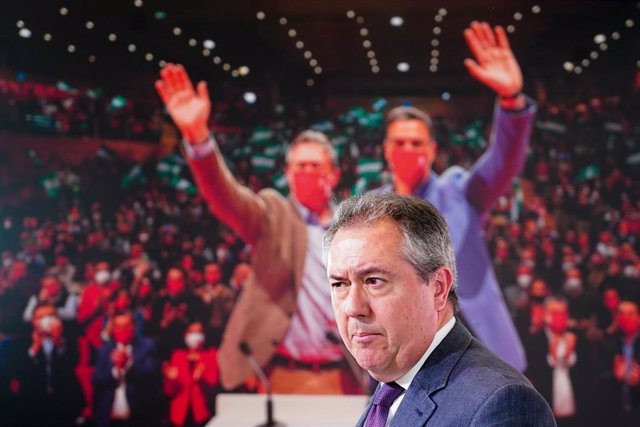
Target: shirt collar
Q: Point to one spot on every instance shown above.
(405, 380)
(309, 217)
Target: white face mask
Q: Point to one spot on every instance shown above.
(194, 339)
(573, 284)
(102, 277)
(524, 281)
(45, 322)
(6, 263)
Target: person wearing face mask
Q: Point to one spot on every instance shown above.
(556, 364)
(53, 293)
(581, 304)
(284, 310)
(190, 378)
(619, 382)
(49, 383)
(218, 298)
(126, 378)
(464, 197)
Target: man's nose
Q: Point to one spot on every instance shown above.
(357, 302)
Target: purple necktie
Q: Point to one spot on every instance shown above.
(382, 401)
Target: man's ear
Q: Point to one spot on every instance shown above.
(442, 281)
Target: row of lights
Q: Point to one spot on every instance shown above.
(601, 41)
(299, 44)
(366, 43)
(435, 41)
(518, 16)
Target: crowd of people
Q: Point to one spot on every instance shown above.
(105, 285)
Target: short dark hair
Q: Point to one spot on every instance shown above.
(404, 112)
(426, 241)
(313, 137)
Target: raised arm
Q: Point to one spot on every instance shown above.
(232, 203)
(496, 67)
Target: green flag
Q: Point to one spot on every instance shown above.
(588, 172)
(261, 135)
(51, 183)
(262, 163)
(369, 168)
(169, 166)
(134, 176)
(281, 184)
(551, 126)
(181, 184)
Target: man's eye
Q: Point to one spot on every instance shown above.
(373, 281)
(338, 284)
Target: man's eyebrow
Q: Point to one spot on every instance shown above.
(363, 272)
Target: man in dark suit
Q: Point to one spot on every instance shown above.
(126, 378)
(392, 270)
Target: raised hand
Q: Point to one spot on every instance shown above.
(188, 108)
(494, 64)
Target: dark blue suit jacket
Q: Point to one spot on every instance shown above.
(143, 383)
(464, 384)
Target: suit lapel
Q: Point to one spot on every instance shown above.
(417, 405)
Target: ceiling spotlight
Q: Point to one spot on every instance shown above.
(226, 66)
(437, 30)
(517, 16)
(396, 21)
(433, 68)
(138, 3)
(243, 70)
(283, 21)
(209, 44)
(373, 61)
(511, 28)
(206, 52)
(438, 18)
(92, 58)
(536, 9)
(64, 11)
(403, 67)
(217, 59)
(260, 15)
(90, 25)
(359, 19)
(317, 70)
(638, 64)
(435, 53)
(603, 46)
(193, 42)
(446, 96)
(149, 57)
(250, 97)
(599, 38)
(292, 33)
(310, 82)
(299, 44)
(366, 44)
(628, 23)
(442, 12)
(160, 15)
(47, 37)
(71, 48)
(615, 35)
(25, 33)
(112, 37)
(375, 69)
(364, 32)
(434, 61)
(568, 66)
(307, 54)
(577, 70)
(177, 31)
(594, 55)
(585, 62)
(20, 23)
(371, 54)
(313, 62)
(131, 47)
(234, 73)
(351, 14)
(162, 63)
(435, 43)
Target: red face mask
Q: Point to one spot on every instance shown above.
(175, 287)
(558, 322)
(408, 166)
(123, 335)
(312, 190)
(628, 325)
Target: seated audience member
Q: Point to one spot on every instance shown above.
(218, 299)
(53, 293)
(190, 378)
(126, 378)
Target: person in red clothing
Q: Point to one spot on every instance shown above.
(190, 378)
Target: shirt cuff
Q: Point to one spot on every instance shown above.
(201, 149)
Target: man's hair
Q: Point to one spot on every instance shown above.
(403, 112)
(426, 241)
(314, 137)
(555, 299)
